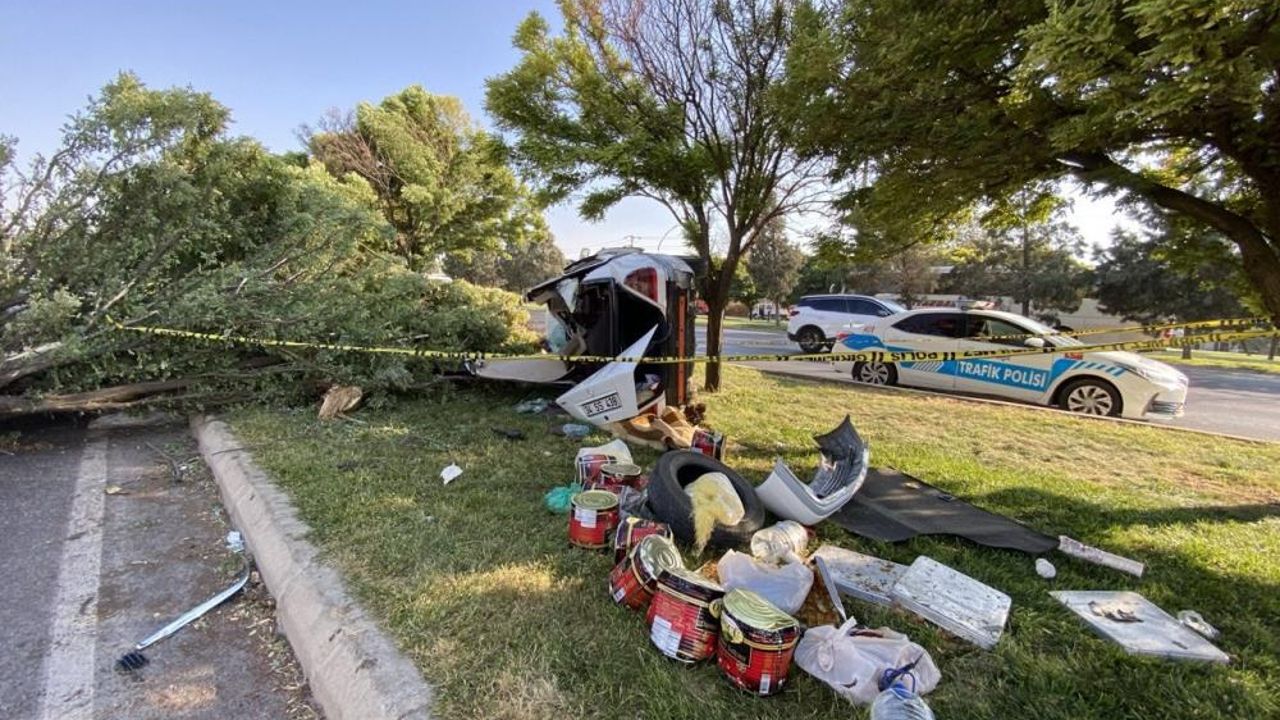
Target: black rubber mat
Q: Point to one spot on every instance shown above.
(894, 507)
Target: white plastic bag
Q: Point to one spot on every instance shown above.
(786, 586)
(852, 661)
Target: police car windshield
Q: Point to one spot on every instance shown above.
(1053, 335)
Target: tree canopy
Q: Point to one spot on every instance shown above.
(439, 180)
(679, 101)
(941, 105)
(774, 263)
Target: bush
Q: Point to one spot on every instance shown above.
(737, 309)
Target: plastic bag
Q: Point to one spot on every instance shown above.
(852, 661)
(589, 460)
(785, 586)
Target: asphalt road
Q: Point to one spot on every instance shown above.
(1226, 401)
(100, 547)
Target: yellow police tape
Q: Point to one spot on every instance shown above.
(879, 356)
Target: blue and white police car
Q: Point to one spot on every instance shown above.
(1120, 384)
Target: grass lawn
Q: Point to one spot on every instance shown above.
(476, 581)
(1226, 360)
(748, 324)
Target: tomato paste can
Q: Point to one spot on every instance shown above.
(632, 581)
(684, 615)
(708, 442)
(631, 531)
(592, 519)
(620, 474)
(756, 642)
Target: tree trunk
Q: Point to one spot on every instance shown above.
(1186, 352)
(111, 398)
(715, 337)
(1026, 269)
(777, 313)
(1271, 353)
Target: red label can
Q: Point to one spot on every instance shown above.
(593, 515)
(631, 531)
(756, 642)
(631, 582)
(684, 616)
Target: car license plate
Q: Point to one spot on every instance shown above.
(601, 405)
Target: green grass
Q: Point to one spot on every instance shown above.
(1225, 360)
(749, 324)
(477, 584)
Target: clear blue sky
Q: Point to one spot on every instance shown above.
(278, 64)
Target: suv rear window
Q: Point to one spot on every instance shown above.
(939, 324)
(828, 304)
(858, 306)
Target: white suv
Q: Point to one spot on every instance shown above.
(817, 319)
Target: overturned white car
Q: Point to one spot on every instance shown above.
(620, 303)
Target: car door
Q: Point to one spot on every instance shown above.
(863, 311)
(1021, 377)
(926, 332)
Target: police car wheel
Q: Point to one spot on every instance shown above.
(874, 373)
(1091, 397)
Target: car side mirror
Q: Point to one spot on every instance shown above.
(1034, 342)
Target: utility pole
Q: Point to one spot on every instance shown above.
(1026, 258)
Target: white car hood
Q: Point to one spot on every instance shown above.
(1155, 368)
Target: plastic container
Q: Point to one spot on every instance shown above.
(778, 542)
(899, 703)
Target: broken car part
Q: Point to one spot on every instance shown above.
(1139, 626)
(862, 576)
(833, 592)
(841, 472)
(1077, 549)
(893, 507)
(953, 601)
(669, 503)
(135, 659)
(609, 395)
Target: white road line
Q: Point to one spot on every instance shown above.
(69, 667)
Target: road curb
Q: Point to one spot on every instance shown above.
(355, 671)
(1004, 403)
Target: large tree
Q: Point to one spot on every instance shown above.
(440, 180)
(774, 264)
(1174, 104)
(679, 101)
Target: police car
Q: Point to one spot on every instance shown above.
(1119, 384)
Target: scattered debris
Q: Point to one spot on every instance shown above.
(338, 400)
(756, 643)
(1077, 549)
(669, 502)
(177, 470)
(785, 586)
(590, 460)
(852, 661)
(134, 659)
(841, 472)
(532, 406)
(235, 541)
(509, 433)
(865, 577)
(1193, 620)
(1139, 626)
(715, 502)
(574, 431)
(1045, 569)
(115, 490)
(833, 592)
(558, 499)
(781, 542)
(892, 507)
(953, 601)
(450, 473)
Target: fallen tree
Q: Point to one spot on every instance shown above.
(149, 215)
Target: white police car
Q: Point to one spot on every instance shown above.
(1094, 383)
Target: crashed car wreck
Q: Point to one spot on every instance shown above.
(620, 303)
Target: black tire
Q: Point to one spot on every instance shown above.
(875, 373)
(1089, 396)
(669, 503)
(811, 339)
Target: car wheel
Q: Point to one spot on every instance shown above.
(1091, 397)
(671, 504)
(811, 339)
(874, 373)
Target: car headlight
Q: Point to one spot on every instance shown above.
(1154, 374)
